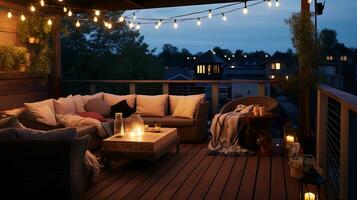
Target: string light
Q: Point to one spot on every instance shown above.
(131, 25)
(137, 27)
(245, 9)
(224, 18)
(60, 0)
(198, 22)
(175, 24)
(42, 3)
(157, 25)
(78, 24)
(309, 1)
(65, 9)
(121, 19)
(49, 22)
(32, 8)
(69, 13)
(210, 14)
(9, 14)
(22, 17)
(277, 4)
(97, 12)
(134, 16)
(109, 25)
(95, 19)
(269, 3)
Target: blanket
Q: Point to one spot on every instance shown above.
(73, 121)
(92, 164)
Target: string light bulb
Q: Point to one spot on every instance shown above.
(245, 9)
(277, 3)
(42, 3)
(32, 8)
(198, 22)
(22, 17)
(210, 14)
(95, 19)
(78, 24)
(109, 25)
(9, 14)
(175, 24)
(269, 3)
(134, 16)
(131, 25)
(60, 0)
(65, 9)
(121, 19)
(157, 25)
(224, 18)
(137, 27)
(97, 12)
(49, 22)
(69, 13)
(309, 1)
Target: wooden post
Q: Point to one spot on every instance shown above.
(261, 89)
(215, 98)
(92, 88)
(165, 88)
(344, 151)
(57, 71)
(321, 129)
(132, 88)
(305, 6)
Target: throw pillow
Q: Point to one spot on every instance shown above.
(78, 102)
(12, 122)
(187, 106)
(113, 99)
(98, 105)
(48, 102)
(173, 100)
(247, 109)
(65, 105)
(121, 107)
(86, 98)
(57, 134)
(239, 107)
(153, 106)
(44, 115)
(93, 115)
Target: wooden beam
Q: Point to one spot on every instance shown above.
(344, 151)
(57, 71)
(305, 6)
(321, 127)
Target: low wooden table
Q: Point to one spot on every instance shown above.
(149, 146)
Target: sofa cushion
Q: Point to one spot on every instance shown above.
(98, 105)
(93, 115)
(7, 133)
(173, 100)
(78, 102)
(187, 106)
(170, 121)
(113, 99)
(10, 122)
(86, 130)
(121, 107)
(65, 105)
(48, 102)
(153, 106)
(57, 134)
(41, 114)
(86, 98)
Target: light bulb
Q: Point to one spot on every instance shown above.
(97, 12)
(65, 9)
(131, 25)
(198, 22)
(277, 4)
(9, 14)
(224, 18)
(175, 24)
(42, 3)
(95, 19)
(23, 18)
(134, 16)
(109, 25)
(245, 9)
(78, 24)
(269, 3)
(309, 1)
(49, 22)
(210, 14)
(157, 25)
(32, 8)
(137, 27)
(60, 0)
(69, 13)
(121, 19)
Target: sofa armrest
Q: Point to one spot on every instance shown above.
(29, 122)
(202, 111)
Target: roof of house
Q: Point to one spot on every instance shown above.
(209, 58)
(177, 73)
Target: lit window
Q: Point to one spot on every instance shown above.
(272, 66)
(330, 58)
(277, 66)
(343, 58)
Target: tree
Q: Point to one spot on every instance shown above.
(327, 39)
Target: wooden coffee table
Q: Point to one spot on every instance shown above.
(149, 146)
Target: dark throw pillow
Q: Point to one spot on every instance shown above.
(57, 134)
(121, 107)
(98, 105)
(10, 122)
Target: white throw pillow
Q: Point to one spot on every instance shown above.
(173, 100)
(78, 102)
(44, 114)
(113, 99)
(33, 105)
(86, 98)
(187, 106)
(153, 106)
(65, 106)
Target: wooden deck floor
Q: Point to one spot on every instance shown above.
(192, 174)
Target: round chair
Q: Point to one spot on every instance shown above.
(269, 103)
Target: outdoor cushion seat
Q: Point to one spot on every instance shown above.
(170, 121)
(86, 130)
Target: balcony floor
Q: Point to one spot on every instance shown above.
(192, 174)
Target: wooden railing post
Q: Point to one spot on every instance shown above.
(132, 88)
(261, 89)
(215, 98)
(92, 88)
(344, 151)
(321, 129)
(165, 88)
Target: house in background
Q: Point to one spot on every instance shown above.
(209, 67)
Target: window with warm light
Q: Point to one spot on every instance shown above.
(329, 58)
(343, 58)
(277, 66)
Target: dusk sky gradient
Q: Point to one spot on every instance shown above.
(262, 29)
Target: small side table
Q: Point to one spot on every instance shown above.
(317, 181)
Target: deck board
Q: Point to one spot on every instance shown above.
(193, 174)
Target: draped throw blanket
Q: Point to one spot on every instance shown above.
(92, 164)
(225, 130)
(74, 121)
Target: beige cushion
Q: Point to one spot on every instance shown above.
(78, 102)
(169, 121)
(187, 106)
(65, 105)
(113, 99)
(86, 98)
(154, 106)
(98, 105)
(48, 102)
(173, 100)
(44, 114)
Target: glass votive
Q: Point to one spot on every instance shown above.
(256, 110)
(261, 111)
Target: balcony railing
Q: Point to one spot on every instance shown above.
(336, 140)
(218, 92)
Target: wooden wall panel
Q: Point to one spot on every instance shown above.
(8, 29)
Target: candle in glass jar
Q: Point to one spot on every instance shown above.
(261, 111)
(309, 196)
(290, 138)
(256, 110)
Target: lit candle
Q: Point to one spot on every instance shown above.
(309, 196)
(290, 138)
